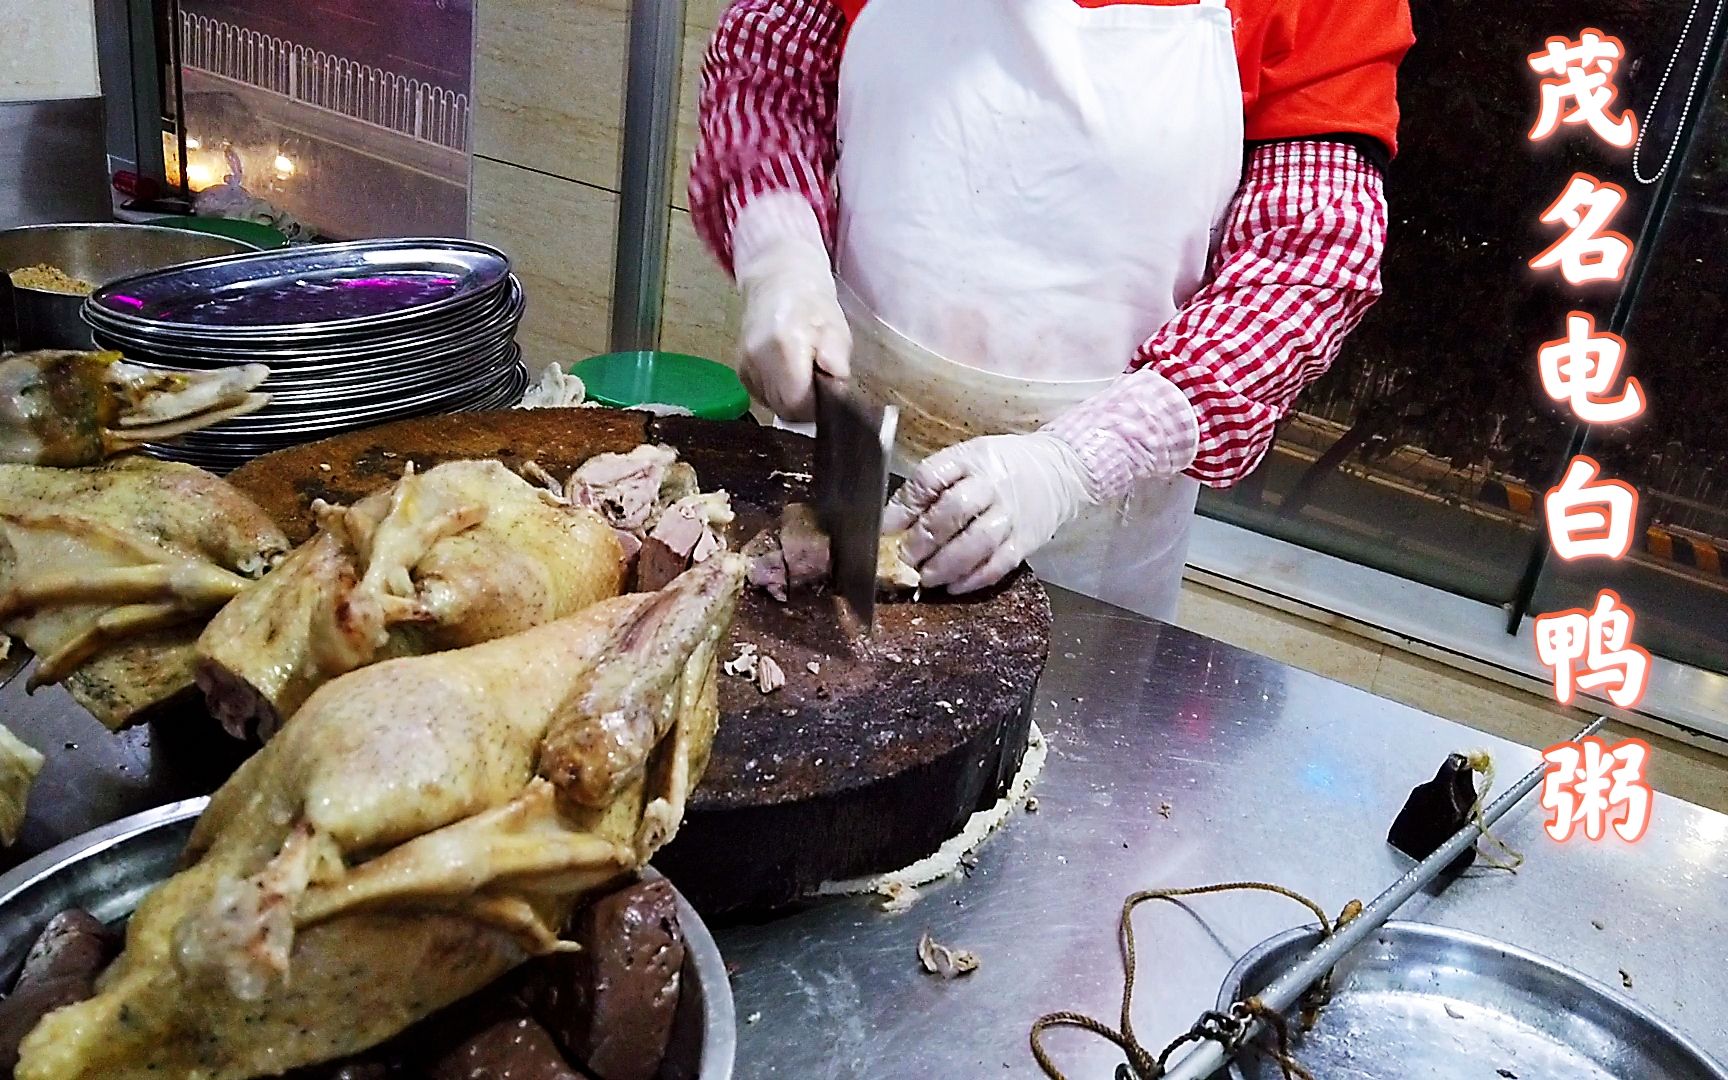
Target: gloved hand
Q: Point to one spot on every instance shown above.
(792, 319)
(975, 511)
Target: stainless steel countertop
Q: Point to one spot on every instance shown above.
(1271, 774)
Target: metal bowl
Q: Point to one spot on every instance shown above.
(98, 252)
(1417, 1000)
(107, 871)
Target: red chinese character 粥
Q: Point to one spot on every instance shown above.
(1588, 517)
(1588, 251)
(1580, 87)
(1593, 650)
(1581, 369)
(1588, 783)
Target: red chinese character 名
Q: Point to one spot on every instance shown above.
(1581, 369)
(1590, 783)
(1593, 650)
(1588, 251)
(1588, 517)
(1580, 87)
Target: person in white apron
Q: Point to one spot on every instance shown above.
(1028, 189)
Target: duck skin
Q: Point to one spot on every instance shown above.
(461, 554)
(421, 827)
(108, 572)
(67, 408)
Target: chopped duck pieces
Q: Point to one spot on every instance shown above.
(687, 533)
(796, 556)
(68, 409)
(623, 488)
(947, 962)
(769, 676)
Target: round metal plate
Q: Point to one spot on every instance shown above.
(109, 870)
(1417, 1000)
(314, 289)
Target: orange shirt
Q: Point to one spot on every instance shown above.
(1308, 67)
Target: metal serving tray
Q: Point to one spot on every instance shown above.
(315, 289)
(1417, 1000)
(107, 871)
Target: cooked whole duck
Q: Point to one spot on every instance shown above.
(460, 554)
(421, 827)
(108, 572)
(77, 408)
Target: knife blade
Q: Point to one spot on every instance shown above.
(854, 440)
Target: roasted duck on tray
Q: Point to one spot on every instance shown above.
(420, 827)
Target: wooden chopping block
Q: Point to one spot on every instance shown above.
(870, 756)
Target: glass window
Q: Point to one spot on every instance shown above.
(1424, 450)
(1676, 454)
(351, 117)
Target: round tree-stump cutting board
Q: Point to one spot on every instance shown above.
(871, 755)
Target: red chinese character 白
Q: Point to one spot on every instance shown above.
(1581, 369)
(1593, 650)
(1588, 251)
(1596, 785)
(1589, 517)
(1580, 87)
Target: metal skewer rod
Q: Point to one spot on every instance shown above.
(1284, 991)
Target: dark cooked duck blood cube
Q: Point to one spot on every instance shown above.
(515, 1047)
(61, 969)
(611, 1005)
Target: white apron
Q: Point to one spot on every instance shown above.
(1029, 189)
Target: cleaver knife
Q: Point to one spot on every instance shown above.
(853, 442)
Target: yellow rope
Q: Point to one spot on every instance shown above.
(1481, 762)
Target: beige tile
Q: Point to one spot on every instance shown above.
(702, 309)
(558, 235)
(1526, 717)
(1290, 639)
(700, 17)
(549, 85)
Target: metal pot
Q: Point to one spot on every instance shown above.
(96, 252)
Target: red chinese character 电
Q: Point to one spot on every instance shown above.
(1589, 517)
(1593, 650)
(1580, 87)
(1588, 251)
(1582, 368)
(1591, 784)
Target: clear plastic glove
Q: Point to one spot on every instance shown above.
(793, 324)
(975, 511)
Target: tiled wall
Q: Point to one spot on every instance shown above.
(548, 115)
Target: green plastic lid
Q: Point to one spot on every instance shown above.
(247, 232)
(710, 390)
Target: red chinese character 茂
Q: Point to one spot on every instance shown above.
(1596, 785)
(1588, 517)
(1580, 87)
(1588, 251)
(1593, 650)
(1581, 369)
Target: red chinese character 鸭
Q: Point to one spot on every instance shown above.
(1581, 369)
(1588, 517)
(1593, 650)
(1588, 251)
(1580, 87)
(1590, 783)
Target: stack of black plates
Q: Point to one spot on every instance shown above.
(354, 334)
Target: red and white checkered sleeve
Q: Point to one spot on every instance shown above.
(1297, 267)
(770, 82)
